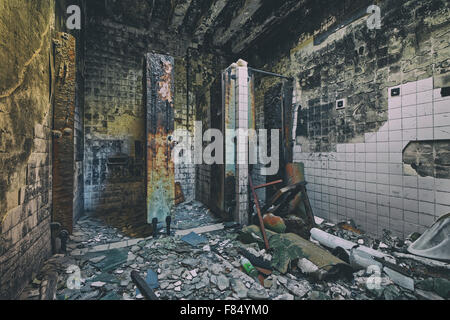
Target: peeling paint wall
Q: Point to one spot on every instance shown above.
(25, 141)
(27, 83)
(360, 66)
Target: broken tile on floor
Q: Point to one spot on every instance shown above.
(194, 239)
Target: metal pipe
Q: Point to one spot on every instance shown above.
(188, 85)
(258, 210)
(332, 242)
(270, 74)
(269, 184)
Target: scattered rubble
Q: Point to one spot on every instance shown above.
(176, 270)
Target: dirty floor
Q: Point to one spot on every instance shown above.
(100, 259)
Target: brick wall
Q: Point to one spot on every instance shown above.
(25, 142)
(64, 125)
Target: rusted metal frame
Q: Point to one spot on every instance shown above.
(258, 210)
(287, 194)
(268, 184)
(309, 211)
(295, 174)
(281, 197)
(270, 74)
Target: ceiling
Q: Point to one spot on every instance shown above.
(231, 26)
(226, 24)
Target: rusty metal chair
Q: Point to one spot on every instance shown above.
(280, 201)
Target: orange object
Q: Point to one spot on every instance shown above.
(274, 223)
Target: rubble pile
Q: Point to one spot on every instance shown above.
(99, 262)
(193, 214)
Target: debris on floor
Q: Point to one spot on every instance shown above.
(233, 264)
(194, 239)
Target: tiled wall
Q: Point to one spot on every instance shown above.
(114, 118)
(184, 120)
(242, 122)
(257, 177)
(367, 181)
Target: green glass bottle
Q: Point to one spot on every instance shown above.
(249, 268)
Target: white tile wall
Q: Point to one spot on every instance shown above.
(366, 181)
(242, 94)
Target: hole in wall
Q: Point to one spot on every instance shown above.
(427, 159)
(445, 92)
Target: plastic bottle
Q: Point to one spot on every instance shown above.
(249, 268)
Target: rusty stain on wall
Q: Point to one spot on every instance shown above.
(160, 126)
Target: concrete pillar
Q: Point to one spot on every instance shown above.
(242, 122)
